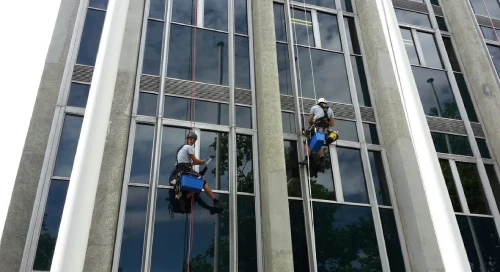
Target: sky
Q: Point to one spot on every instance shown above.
(25, 29)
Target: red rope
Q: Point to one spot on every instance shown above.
(491, 21)
(193, 74)
(191, 233)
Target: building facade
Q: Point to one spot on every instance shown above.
(412, 184)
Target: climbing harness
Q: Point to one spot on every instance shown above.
(491, 21)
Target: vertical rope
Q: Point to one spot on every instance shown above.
(193, 74)
(491, 21)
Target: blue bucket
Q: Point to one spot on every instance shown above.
(191, 184)
(317, 141)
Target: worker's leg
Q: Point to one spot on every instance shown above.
(203, 204)
(210, 194)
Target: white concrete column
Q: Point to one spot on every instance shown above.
(76, 220)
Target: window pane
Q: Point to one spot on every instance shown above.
(371, 135)
(488, 33)
(329, 31)
(347, 130)
(143, 152)
(211, 238)
(484, 232)
(152, 48)
(284, 69)
(352, 36)
(247, 241)
(157, 9)
(241, 63)
(451, 54)
(288, 122)
(411, 50)
(321, 176)
(102, 4)
(215, 144)
(177, 108)
(172, 139)
(321, 3)
(292, 169)
(358, 70)
(50, 224)
(465, 94)
(435, 2)
(460, 145)
(330, 75)
(243, 117)
(240, 17)
(379, 179)
(412, 18)
(133, 229)
(495, 55)
(279, 22)
(211, 55)
(345, 238)
(430, 50)
(492, 5)
(183, 11)
(346, 5)
(441, 143)
(450, 184)
(244, 163)
(441, 23)
(78, 95)
(299, 242)
(67, 145)
(302, 27)
(483, 148)
(494, 183)
(215, 16)
(352, 175)
(391, 237)
(435, 93)
(211, 112)
(472, 188)
(147, 104)
(91, 36)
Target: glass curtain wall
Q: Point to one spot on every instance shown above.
(469, 175)
(197, 73)
(341, 210)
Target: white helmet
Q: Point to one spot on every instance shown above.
(321, 100)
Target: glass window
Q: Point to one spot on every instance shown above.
(279, 22)
(152, 49)
(441, 23)
(435, 2)
(215, 14)
(489, 33)
(157, 9)
(494, 183)
(483, 148)
(172, 139)
(495, 55)
(379, 179)
(171, 236)
(142, 154)
(346, 5)
(299, 242)
(450, 184)
(441, 143)
(481, 242)
(247, 241)
(133, 229)
(284, 69)
(78, 95)
(177, 108)
(91, 36)
(347, 130)
(451, 54)
(391, 237)
(411, 50)
(352, 36)
(435, 93)
(452, 144)
(371, 135)
(330, 75)
(244, 163)
(147, 104)
(67, 145)
(211, 55)
(211, 112)
(241, 63)
(412, 18)
(50, 225)
(358, 70)
(292, 169)
(243, 117)
(352, 175)
(288, 122)
(321, 176)
(240, 17)
(473, 189)
(183, 11)
(102, 4)
(492, 5)
(302, 27)
(430, 50)
(321, 3)
(329, 31)
(215, 145)
(345, 238)
(464, 93)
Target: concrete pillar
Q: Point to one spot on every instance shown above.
(277, 242)
(18, 219)
(102, 234)
(433, 240)
(481, 73)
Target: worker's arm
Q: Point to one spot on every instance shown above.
(332, 122)
(195, 160)
(310, 120)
